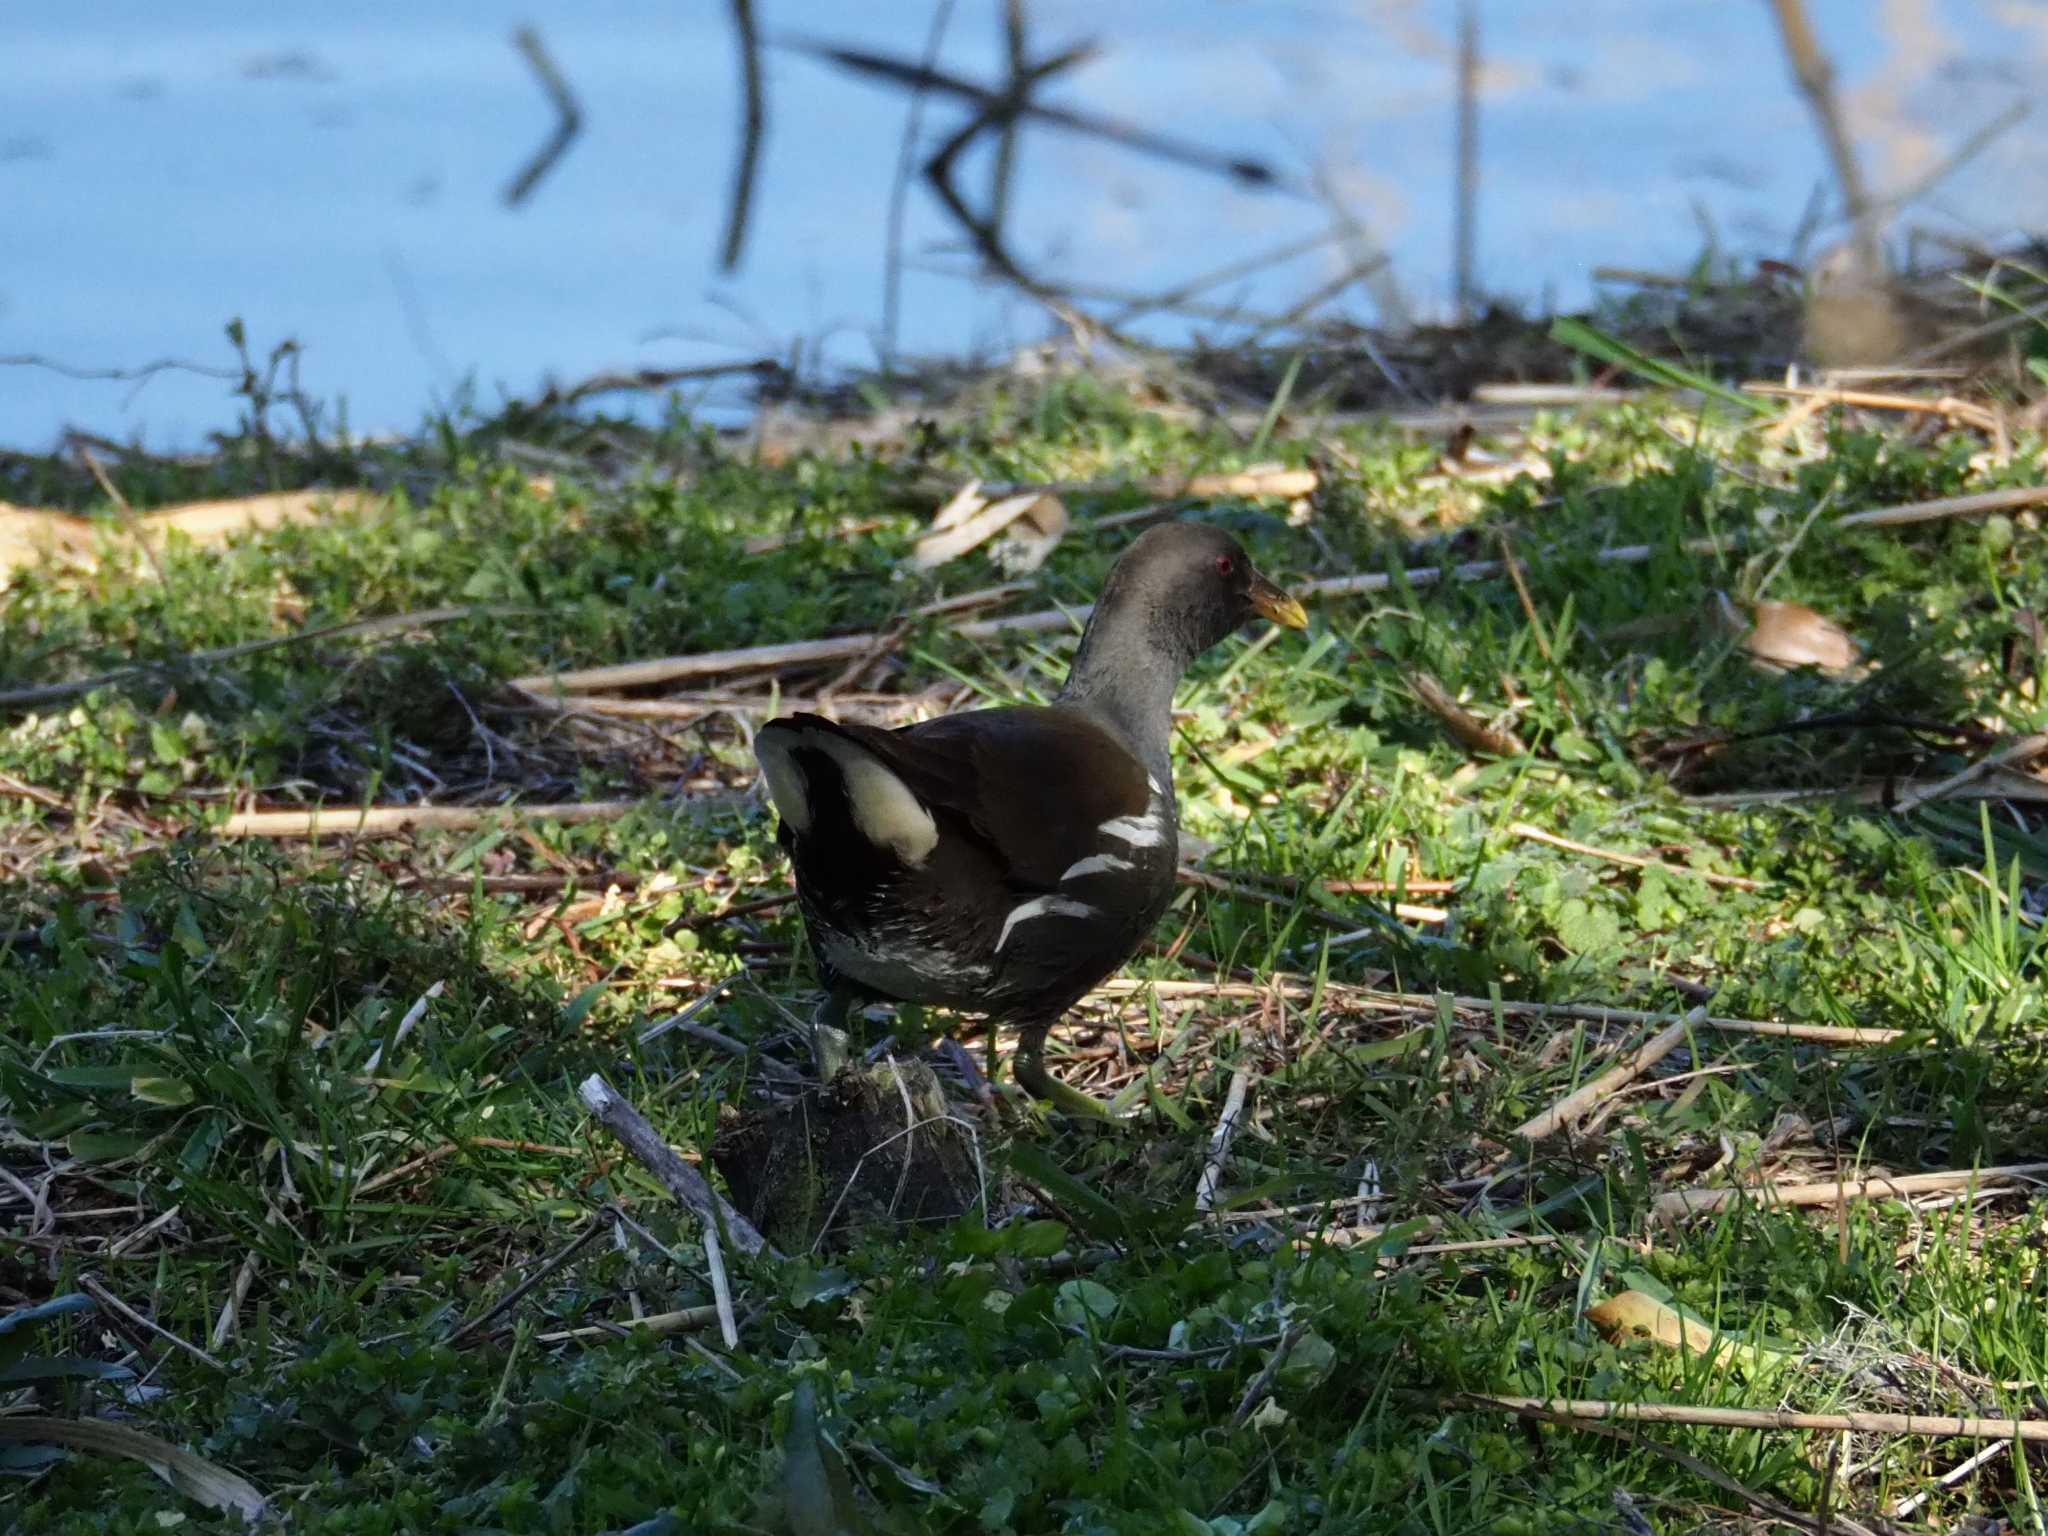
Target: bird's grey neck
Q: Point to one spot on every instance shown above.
(1123, 679)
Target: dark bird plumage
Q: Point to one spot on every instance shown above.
(1006, 861)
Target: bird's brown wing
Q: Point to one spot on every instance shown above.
(1035, 785)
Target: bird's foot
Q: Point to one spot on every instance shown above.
(831, 1045)
(1032, 1077)
(914, 1031)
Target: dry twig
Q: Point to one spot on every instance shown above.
(1574, 1105)
(371, 821)
(1219, 1143)
(93, 1287)
(1473, 733)
(1820, 397)
(596, 1224)
(660, 1159)
(1938, 1426)
(1635, 861)
(1981, 503)
(2024, 750)
(1679, 1203)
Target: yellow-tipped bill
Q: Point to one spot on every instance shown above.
(1276, 604)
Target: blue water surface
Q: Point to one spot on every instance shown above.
(336, 174)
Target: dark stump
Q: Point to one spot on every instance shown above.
(869, 1154)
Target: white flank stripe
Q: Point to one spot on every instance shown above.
(1138, 831)
(1096, 864)
(1153, 785)
(1041, 906)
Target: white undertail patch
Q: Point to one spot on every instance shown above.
(1138, 831)
(1041, 906)
(1096, 864)
(885, 812)
(785, 780)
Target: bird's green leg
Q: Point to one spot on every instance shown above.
(913, 1029)
(831, 1044)
(1029, 1066)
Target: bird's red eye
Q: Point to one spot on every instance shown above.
(1225, 565)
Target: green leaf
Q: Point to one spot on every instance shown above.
(55, 1122)
(1098, 1217)
(1308, 1364)
(1276, 405)
(1581, 337)
(581, 1004)
(1585, 928)
(106, 1146)
(1079, 1302)
(817, 1494)
(118, 1076)
(173, 1092)
(1387, 1050)
(185, 933)
(1038, 1239)
(204, 1141)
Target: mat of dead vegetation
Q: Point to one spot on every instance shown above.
(1595, 1076)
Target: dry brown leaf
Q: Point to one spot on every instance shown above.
(207, 1482)
(1032, 520)
(1782, 636)
(1638, 1315)
(1793, 635)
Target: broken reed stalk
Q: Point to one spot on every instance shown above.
(899, 189)
(1219, 1143)
(1679, 1203)
(1816, 80)
(688, 1186)
(92, 1286)
(2023, 750)
(1406, 911)
(547, 688)
(1938, 1426)
(1573, 1106)
(370, 821)
(1466, 728)
(1820, 397)
(1282, 484)
(721, 1287)
(796, 653)
(1293, 987)
(1980, 503)
(1464, 227)
(568, 116)
(658, 1324)
(1998, 784)
(753, 120)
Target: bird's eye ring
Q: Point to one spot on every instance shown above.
(1225, 565)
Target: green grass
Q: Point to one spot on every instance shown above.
(192, 1023)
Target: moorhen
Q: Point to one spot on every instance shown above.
(1005, 861)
